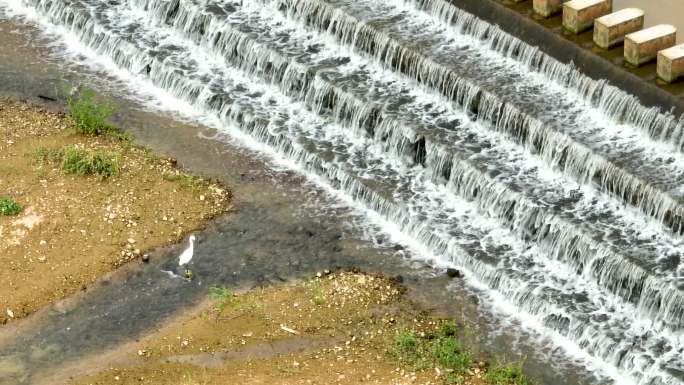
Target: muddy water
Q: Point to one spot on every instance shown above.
(282, 227)
(658, 12)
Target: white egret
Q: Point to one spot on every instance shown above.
(186, 256)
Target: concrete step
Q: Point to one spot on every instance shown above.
(547, 8)
(642, 47)
(579, 15)
(610, 30)
(671, 63)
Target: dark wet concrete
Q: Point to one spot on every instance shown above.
(279, 229)
(547, 34)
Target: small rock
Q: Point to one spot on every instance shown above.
(201, 198)
(43, 242)
(453, 273)
(146, 258)
(10, 313)
(131, 241)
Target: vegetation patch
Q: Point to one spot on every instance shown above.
(221, 297)
(90, 116)
(506, 373)
(82, 162)
(421, 350)
(74, 160)
(8, 207)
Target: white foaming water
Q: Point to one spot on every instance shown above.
(562, 233)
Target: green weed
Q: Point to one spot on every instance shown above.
(451, 355)
(448, 328)
(89, 115)
(442, 350)
(506, 373)
(81, 162)
(221, 297)
(9, 207)
(405, 340)
(451, 378)
(51, 155)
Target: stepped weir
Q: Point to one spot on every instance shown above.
(561, 193)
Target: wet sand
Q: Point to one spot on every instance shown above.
(339, 327)
(281, 227)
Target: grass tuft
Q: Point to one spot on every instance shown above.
(506, 373)
(405, 341)
(51, 155)
(89, 115)
(447, 329)
(81, 162)
(8, 207)
(451, 354)
(221, 296)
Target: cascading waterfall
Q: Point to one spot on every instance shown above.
(559, 193)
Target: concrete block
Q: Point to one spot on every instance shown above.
(579, 15)
(610, 30)
(547, 8)
(643, 46)
(671, 63)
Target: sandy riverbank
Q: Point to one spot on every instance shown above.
(337, 328)
(71, 228)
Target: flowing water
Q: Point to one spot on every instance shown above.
(561, 195)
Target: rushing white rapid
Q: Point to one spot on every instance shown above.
(557, 192)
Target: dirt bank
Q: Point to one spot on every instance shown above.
(67, 227)
(343, 328)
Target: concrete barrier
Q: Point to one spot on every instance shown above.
(643, 46)
(579, 15)
(671, 63)
(610, 30)
(547, 8)
(567, 51)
